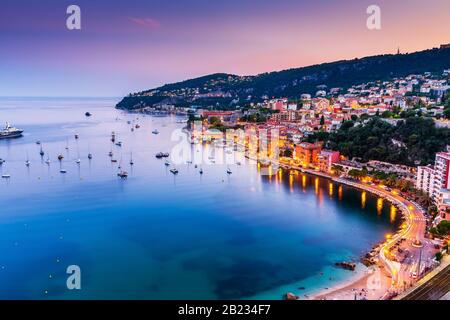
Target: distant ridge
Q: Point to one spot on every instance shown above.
(228, 90)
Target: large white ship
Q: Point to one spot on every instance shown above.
(10, 132)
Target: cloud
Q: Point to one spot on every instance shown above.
(148, 23)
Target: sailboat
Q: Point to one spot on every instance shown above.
(78, 161)
(41, 152)
(131, 160)
(122, 174)
(48, 160)
(27, 163)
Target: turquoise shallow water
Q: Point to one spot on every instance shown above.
(155, 235)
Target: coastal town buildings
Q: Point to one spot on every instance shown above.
(435, 181)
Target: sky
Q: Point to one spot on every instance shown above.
(128, 46)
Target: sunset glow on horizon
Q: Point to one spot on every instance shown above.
(127, 46)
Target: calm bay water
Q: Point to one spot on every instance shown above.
(159, 236)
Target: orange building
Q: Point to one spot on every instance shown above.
(308, 153)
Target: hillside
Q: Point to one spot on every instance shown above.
(227, 90)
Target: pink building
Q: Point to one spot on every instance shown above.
(327, 158)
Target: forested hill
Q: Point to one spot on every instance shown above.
(229, 90)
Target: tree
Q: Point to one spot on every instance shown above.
(214, 121)
(447, 113)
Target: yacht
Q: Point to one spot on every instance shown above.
(10, 132)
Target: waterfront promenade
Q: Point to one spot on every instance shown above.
(411, 237)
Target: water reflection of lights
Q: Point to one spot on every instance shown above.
(330, 189)
(363, 199)
(379, 206)
(340, 193)
(316, 185)
(393, 214)
(291, 183)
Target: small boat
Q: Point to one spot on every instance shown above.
(113, 160)
(131, 159)
(27, 163)
(132, 129)
(47, 161)
(113, 136)
(119, 144)
(137, 126)
(155, 131)
(41, 152)
(6, 176)
(238, 163)
(201, 171)
(88, 114)
(229, 171)
(167, 163)
(77, 136)
(159, 155)
(90, 156)
(2, 161)
(110, 154)
(128, 122)
(60, 157)
(174, 171)
(122, 174)
(166, 155)
(63, 171)
(38, 142)
(78, 161)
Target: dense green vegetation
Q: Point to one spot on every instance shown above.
(413, 141)
(442, 229)
(293, 82)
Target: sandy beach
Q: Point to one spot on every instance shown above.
(369, 284)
